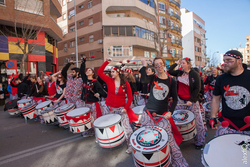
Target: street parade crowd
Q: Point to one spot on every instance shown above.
(153, 111)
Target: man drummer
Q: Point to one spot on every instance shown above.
(233, 87)
(74, 85)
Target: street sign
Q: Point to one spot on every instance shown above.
(11, 71)
(11, 64)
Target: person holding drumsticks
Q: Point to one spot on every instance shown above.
(163, 87)
(60, 88)
(211, 80)
(233, 88)
(116, 103)
(91, 94)
(37, 89)
(51, 87)
(189, 85)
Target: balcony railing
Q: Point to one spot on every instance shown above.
(174, 2)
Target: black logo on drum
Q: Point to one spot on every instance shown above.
(149, 137)
(244, 144)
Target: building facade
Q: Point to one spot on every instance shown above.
(121, 30)
(194, 38)
(31, 23)
(248, 50)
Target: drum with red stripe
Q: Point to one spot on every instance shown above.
(150, 147)
(29, 111)
(207, 107)
(49, 115)
(61, 113)
(23, 102)
(229, 150)
(80, 120)
(11, 107)
(138, 111)
(185, 122)
(109, 131)
(40, 107)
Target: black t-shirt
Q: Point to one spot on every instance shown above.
(235, 92)
(211, 80)
(59, 90)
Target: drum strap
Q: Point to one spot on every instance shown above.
(98, 109)
(149, 114)
(233, 125)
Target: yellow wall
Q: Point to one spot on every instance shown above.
(4, 56)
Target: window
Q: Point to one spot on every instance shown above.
(82, 39)
(107, 31)
(90, 21)
(91, 54)
(129, 31)
(117, 51)
(71, 13)
(115, 31)
(91, 38)
(34, 6)
(152, 55)
(71, 28)
(171, 12)
(64, 16)
(145, 20)
(65, 45)
(64, 2)
(81, 23)
(81, 7)
(121, 31)
(161, 6)
(2, 2)
(90, 4)
(162, 20)
(72, 44)
(146, 54)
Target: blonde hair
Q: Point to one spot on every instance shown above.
(130, 77)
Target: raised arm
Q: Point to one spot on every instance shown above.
(65, 69)
(100, 73)
(171, 70)
(55, 74)
(82, 70)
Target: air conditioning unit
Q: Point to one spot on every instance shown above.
(169, 35)
(170, 51)
(100, 41)
(65, 49)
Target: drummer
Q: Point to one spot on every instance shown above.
(189, 85)
(116, 103)
(211, 80)
(233, 88)
(60, 88)
(74, 85)
(51, 88)
(91, 93)
(163, 87)
(37, 89)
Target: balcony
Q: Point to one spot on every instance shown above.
(54, 30)
(55, 8)
(175, 3)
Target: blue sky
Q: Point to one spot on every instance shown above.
(227, 22)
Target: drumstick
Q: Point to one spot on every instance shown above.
(36, 88)
(181, 104)
(154, 115)
(144, 94)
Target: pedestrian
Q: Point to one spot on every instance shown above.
(116, 103)
(37, 89)
(233, 88)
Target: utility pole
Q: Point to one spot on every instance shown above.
(76, 35)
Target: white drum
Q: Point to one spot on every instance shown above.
(207, 107)
(49, 115)
(41, 106)
(150, 146)
(141, 102)
(23, 102)
(230, 150)
(29, 111)
(80, 120)
(185, 122)
(109, 131)
(138, 111)
(61, 113)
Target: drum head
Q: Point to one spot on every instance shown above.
(228, 150)
(107, 120)
(24, 101)
(48, 109)
(31, 105)
(43, 104)
(63, 108)
(78, 112)
(149, 139)
(182, 117)
(141, 102)
(138, 110)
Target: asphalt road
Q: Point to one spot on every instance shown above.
(39, 145)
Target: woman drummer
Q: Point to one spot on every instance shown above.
(116, 103)
(189, 85)
(163, 87)
(37, 89)
(91, 93)
(211, 83)
(60, 88)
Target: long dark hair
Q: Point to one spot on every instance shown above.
(93, 71)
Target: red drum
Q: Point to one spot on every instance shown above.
(48, 114)
(230, 150)
(61, 113)
(185, 123)
(138, 111)
(29, 111)
(150, 147)
(40, 107)
(23, 102)
(207, 107)
(109, 131)
(80, 120)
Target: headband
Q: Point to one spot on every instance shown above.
(188, 59)
(114, 68)
(127, 70)
(232, 55)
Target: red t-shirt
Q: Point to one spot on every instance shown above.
(183, 91)
(52, 88)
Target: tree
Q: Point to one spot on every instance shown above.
(24, 30)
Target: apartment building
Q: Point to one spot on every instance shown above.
(194, 38)
(248, 50)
